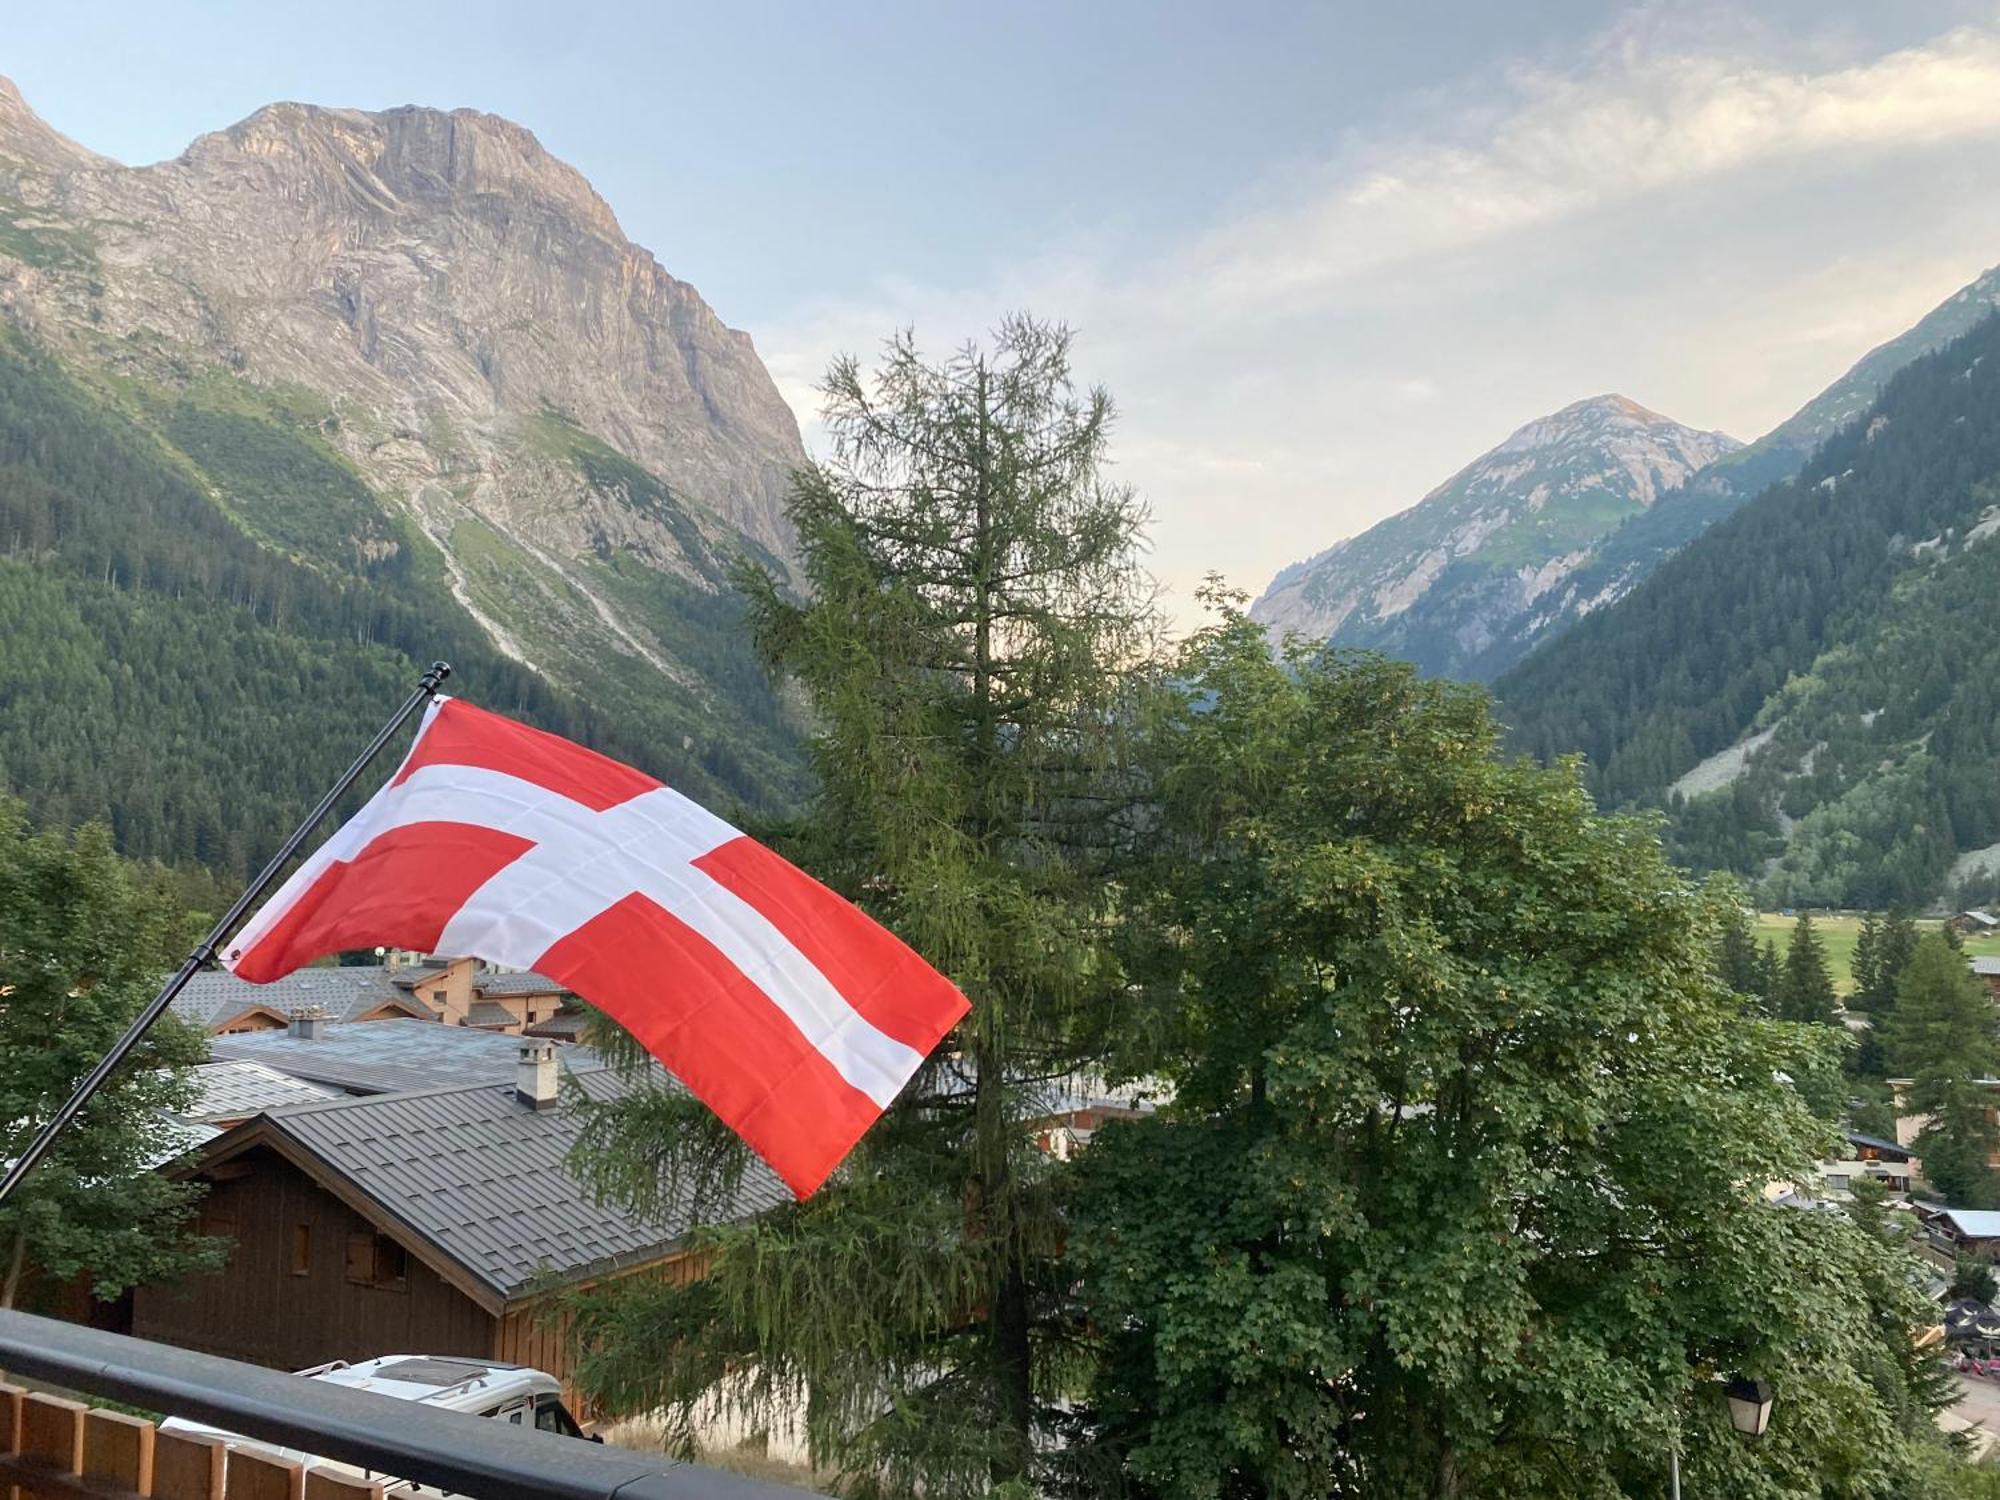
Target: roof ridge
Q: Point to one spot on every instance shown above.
(438, 1092)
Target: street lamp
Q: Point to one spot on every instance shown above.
(1749, 1406)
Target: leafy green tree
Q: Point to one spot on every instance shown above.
(975, 612)
(1805, 989)
(83, 940)
(1943, 1040)
(1457, 1191)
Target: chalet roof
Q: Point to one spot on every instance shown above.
(1975, 1223)
(213, 998)
(238, 1089)
(486, 1013)
(527, 982)
(563, 1026)
(384, 1057)
(1983, 918)
(481, 1180)
(1877, 1142)
(1984, 966)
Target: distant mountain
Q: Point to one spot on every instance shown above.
(330, 393)
(1460, 582)
(1464, 626)
(1812, 687)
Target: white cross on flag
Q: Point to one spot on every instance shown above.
(788, 1011)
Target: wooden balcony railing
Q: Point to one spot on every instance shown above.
(52, 1448)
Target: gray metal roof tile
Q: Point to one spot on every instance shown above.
(484, 1178)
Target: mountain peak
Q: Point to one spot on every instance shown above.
(1610, 418)
(1455, 582)
(386, 159)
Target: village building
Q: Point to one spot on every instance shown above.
(1975, 924)
(456, 991)
(437, 1220)
(384, 1057)
(1962, 1231)
(223, 1005)
(232, 1092)
(1988, 972)
(1887, 1162)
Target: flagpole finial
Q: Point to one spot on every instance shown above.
(434, 678)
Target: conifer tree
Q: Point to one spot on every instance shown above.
(974, 611)
(1770, 974)
(1863, 966)
(1943, 1038)
(1805, 989)
(1736, 957)
(1895, 941)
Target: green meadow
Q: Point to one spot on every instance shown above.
(1839, 932)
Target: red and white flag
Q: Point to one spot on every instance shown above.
(787, 1010)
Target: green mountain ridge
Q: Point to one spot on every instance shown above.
(1812, 687)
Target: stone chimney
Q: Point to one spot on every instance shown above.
(535, 1076)
(309, 1023)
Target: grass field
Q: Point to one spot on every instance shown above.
(1839, 933)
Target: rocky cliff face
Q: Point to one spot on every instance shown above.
(458, 316)
(1459, 582)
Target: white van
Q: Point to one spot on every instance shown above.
(478, 1387)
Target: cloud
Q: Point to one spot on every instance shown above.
(1717, 231)
(1634, 125)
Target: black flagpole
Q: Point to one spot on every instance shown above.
(204, 953)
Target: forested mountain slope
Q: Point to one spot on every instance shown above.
(327, 395)
(1813, 686)
(165, 666)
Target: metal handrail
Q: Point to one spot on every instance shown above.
(448, 1450)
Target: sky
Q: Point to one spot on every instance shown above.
(1321, 255)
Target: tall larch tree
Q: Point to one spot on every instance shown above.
(973, 613)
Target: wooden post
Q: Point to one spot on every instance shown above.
(50, 1432)
(118, 1451)
(252, 1476)
(186, 1467)
(325, 1484)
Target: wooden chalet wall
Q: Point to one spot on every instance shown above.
(258, 1310)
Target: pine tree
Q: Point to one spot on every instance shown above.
(1770, 975)
(1943, 1038)
(1895, 941)
(1805, 989)
(975, 609)
(1736, 957)
(1863, 966)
